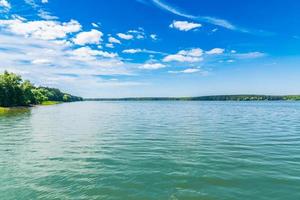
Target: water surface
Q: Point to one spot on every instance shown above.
(152, 150)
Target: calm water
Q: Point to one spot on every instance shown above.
(152, 150)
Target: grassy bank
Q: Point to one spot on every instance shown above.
(22, 109)
(4, 110)
(49, 103)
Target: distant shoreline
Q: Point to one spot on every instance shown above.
(206, 98)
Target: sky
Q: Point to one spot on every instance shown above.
(143, 48)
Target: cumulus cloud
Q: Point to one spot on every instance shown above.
(44, 1)
(215, 51)
(192, 55)
(90, 37)
(125, 36)
(114, 40)
(86, 53)
(41, 60)
(46, 30)
(184, 25)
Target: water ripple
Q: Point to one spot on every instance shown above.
(152, 150)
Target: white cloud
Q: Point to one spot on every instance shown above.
(125, 36)
(95, 25)
(86, 53)
(230, 61)
(181, 58)
(32, 3)
(40, 61)
(250, 55)
(136, 34)
(184, 25)
(63, 59)
(46, 30)
(192, 55)
(215, 51)
(140, 37)
(191, 70)
(187, 71)
(197, 52)
(139, 34)
(207, 19)
(46, 15)
(90, 37)
(114, 40)
(110, 45)
(152, 66)
(211, 20)
(153, 36)
(41, 51)
(5, 4)
(44, 1)
(132, 51)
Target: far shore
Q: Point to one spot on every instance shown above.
(201, 98)
(206, 98)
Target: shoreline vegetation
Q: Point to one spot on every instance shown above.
(17, 93)
(206, 98)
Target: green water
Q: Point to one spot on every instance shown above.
(152, 150)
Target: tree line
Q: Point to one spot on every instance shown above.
(206, 98)
(14, 91)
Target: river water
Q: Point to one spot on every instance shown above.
(152, 150)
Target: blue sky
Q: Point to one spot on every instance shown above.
(121, 48)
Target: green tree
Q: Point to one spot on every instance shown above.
(16, 92)
(29, 97)
(11, 93)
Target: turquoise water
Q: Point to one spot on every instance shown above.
(152, 150)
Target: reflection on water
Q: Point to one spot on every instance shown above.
(9, 112)
(152, 150)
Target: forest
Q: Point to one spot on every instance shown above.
(14, 91)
